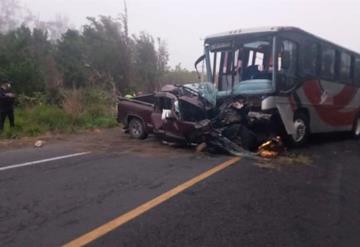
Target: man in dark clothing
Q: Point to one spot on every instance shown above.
(7, 99)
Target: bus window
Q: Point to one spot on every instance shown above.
(250, 58)
(238, 64)
(357, 71)
(259, 60)
(345, 68)
(328, 58)
(225, 73)
(310, 64)
(287, 65)
(257, 54)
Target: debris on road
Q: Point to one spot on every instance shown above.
(39, 144)
(201, 147)
(196, 114)
(271, 148)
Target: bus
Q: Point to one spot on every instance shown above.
(312, 84)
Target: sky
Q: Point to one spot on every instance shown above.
(183, 24)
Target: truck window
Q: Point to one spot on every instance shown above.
(163, 103)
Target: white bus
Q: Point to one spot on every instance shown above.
(310, 83)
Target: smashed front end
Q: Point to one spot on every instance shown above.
(233, 123)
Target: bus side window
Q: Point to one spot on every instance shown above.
(328, 60)
(311, 55)
(345, 68)
(287, 65)
(357, 71)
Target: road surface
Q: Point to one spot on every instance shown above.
(88, 189)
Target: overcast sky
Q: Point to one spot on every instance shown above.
(183, 23)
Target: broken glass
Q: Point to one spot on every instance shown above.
(206, 90)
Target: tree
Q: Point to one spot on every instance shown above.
(21, 59)
(145, 62)
(55, 28)
(42, 56)
(179, 75)
(70, 57)
(162, 58)
(108, 50)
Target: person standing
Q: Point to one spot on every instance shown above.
(7, 99)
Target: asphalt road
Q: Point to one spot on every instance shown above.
(311, 198)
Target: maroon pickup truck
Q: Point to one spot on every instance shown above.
(195, 113)
(170, 114)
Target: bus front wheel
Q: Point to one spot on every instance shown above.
(356, 129)
(302, 130)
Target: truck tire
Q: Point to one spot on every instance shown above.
(302, 130)
(137, 129)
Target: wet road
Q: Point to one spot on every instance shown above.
(309, 199)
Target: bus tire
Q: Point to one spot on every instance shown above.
(302, 130)
(356, 127)
(137, 129)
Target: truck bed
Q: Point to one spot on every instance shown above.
(140, 107)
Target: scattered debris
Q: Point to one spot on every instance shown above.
(39, 144)
(271, 148)
(201, 147)
(97, 131)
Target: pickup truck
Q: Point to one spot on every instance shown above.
(195, 113)
(170, 114)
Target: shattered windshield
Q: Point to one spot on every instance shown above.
(242, 65)
(206, 90)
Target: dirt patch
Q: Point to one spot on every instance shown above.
(99, 140)
(117, 141)
(29, 141)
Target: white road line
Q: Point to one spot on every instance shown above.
(42, 161)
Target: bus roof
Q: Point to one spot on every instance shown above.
(269, 30)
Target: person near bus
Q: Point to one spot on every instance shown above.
(7, 99)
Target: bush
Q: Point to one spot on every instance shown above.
(79, 110)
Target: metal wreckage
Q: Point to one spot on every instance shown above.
(197, 114)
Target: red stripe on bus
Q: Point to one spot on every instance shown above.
(331, 114)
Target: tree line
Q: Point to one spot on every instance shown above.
(44, 57)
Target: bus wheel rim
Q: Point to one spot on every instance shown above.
(300, 130)
(357, 129)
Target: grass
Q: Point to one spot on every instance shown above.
(74, 115)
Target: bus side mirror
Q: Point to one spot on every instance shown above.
(285, 60)
(199, 60)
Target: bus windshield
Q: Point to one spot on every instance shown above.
(244, 66)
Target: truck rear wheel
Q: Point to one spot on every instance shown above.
(137, 129)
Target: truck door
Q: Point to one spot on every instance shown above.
(165, 119)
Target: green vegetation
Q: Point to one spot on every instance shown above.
(55, 70)
(86, 109)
